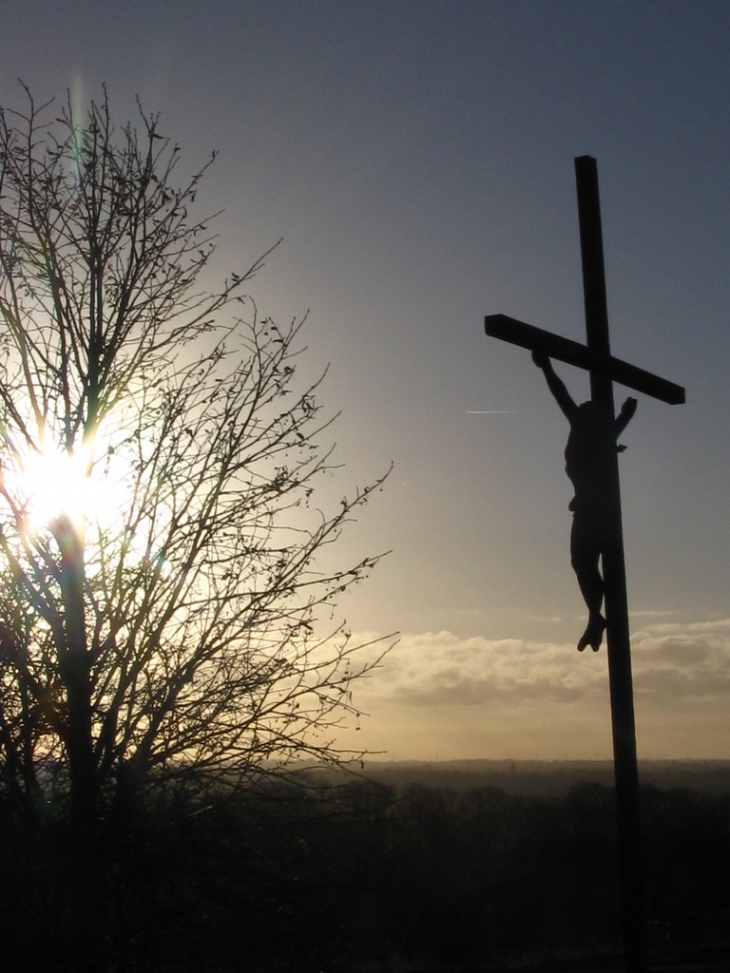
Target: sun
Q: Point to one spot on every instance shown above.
(45, 485)
(54, 484)
(96, 489)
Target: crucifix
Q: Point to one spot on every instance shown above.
(596, 463)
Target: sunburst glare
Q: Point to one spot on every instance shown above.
(44, 485)
(50, 484)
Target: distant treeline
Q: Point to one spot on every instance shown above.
(357, 875)
(548, 778)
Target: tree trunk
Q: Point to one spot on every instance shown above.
(86, 930)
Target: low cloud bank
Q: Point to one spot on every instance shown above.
(441, 696)
(439, 668)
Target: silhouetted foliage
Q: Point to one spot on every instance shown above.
(313, 875)
(166, 621)
(309, 876)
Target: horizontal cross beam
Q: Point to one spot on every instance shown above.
(574, 353)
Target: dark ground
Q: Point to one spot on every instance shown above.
(457, 868)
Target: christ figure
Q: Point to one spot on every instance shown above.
(593, 434)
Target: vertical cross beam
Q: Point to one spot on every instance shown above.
(614, 575)
(604, 370)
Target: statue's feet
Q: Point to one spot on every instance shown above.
(593, 634)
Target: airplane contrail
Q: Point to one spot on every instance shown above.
(495, 412)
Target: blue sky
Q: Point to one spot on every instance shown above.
(417, 159)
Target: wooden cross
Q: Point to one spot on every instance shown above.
(595, 356)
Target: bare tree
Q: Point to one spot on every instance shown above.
(161, 608)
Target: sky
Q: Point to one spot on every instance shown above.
(416, 157)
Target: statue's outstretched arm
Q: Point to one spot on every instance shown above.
(556, 385)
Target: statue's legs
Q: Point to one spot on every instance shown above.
(586, 544)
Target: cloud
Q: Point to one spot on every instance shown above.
(683, 662)
(440, 696)
(434, 669)
(441, 669)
